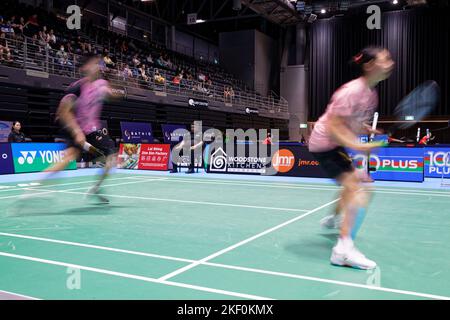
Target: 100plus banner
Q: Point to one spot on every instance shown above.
(35, 157)
(392, 164)
(437, 162)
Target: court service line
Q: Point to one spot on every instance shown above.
(241, 243)
(16, 295)
(306, 186)
(71, 191)
(15, 188)
(135, 277)
(226, 266)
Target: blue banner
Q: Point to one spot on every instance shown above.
(393, 164)
(169, 135)
(136, 132)
(36, 157)
(6, 159)
(5, 130)
(435, 159)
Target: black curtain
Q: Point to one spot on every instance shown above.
(418, 40)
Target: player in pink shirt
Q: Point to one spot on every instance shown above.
(348, 114)
(78, 116)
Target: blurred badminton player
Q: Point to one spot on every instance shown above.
(347, 115)
(78, 116)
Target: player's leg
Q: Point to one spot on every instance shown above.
(354, 202)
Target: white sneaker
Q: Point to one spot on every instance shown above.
(331, 222)
(351, 257)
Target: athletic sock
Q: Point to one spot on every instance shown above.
(359, 218)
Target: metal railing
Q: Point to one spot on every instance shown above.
(36, 55)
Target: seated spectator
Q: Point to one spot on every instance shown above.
(108, 61)
(142, 73)
(127, 73)
(51, 38)
(18, 26)
(136, 61)
(16, 135)
(177, 79)
(5, 52)
(159, 79)
(63, 57)
(228, 93)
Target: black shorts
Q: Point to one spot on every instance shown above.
(98, 139)
(334, 162)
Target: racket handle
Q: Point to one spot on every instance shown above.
(374, 125)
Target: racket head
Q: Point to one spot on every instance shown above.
(419, 103)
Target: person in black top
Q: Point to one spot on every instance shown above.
(16, 135)
(195, 139)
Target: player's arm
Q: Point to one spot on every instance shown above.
(346, 137)
(66, 116)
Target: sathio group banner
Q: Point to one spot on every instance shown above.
(169, 132)
(31, 157)
(143, 156)
(136, 132)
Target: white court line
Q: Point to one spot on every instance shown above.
(45, 191)
(316, 279)
(225, 266)
(77, 244)
(18, 295)
(218, 253)
(70, 191)
(315, 187)
(14, 188)
(136, 277)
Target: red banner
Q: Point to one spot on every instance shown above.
(154, 157)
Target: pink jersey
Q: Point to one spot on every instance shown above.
(354, 102)
(88, 106)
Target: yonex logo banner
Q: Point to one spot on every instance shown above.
(437, 162)
(35, 157)
(6, 159)
(394, 164)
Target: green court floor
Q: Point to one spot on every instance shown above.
(165, 237)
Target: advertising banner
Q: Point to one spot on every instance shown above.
(6, 159)
(288, 160)
(154, 157)
(169, 135)
(128, 157)
(36, 157)
(143, 156)
(392, 164)
(136, 132)
(5, 130)
(437, 162)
